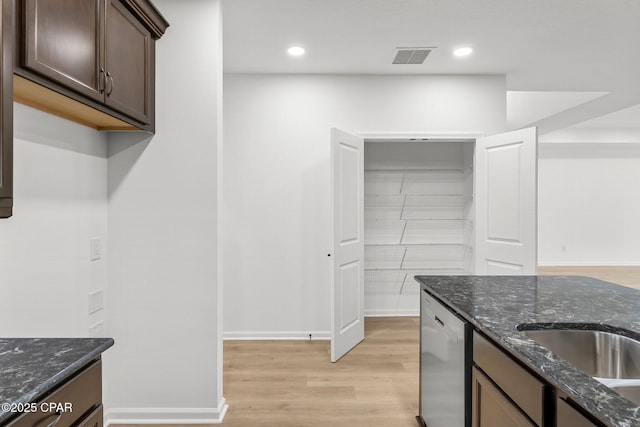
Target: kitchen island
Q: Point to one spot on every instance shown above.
(52, 378)
(500, 308)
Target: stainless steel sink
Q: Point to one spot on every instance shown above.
(631, 392)
(599, 354)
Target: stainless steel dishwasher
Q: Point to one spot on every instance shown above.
(445, 366)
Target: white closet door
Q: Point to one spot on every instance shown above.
(506, 168)
(347, 200)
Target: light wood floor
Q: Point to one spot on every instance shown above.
(627, 276)
(293, 383)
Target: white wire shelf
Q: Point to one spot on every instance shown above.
(416, 223)
(423, 182)
(428, 257)
(417, 231)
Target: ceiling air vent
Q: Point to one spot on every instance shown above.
(411, 55)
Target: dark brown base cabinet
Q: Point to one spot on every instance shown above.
(78, 402)
(491, 408)
(506, 394)
(567, 416)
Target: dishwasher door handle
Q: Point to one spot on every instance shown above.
(447, 331)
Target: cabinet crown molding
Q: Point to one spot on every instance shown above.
(149, 16)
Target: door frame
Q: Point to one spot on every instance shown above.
(408, 137)
(418, 135)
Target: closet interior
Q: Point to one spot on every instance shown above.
(418, 210)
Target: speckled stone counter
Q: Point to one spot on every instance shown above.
(495, 305)
(30, 367)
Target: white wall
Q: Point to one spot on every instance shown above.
(166, 365)
(60, 198)
(589, 203)
(277, 178)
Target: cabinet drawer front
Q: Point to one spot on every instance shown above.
(94, 419)
(83, 392)
(522, 387)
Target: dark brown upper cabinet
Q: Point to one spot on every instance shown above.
(6, 109)
(91, 61)
(128, 63)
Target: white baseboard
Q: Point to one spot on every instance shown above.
(277, 335)
(118, 416)
(588, 264)
(390, 312)
(315, 335)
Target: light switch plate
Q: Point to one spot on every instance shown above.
(96, 301)
(95, 248)
(97, 330)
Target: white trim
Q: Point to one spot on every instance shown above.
(277, 335)
(218, 76)
(580, 145)
(589, 264)
(431, 136)
(118, 416)
(390, 312)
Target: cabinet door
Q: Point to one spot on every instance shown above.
(6, 109)
(490, 408)
(128, 56)
(63, 43)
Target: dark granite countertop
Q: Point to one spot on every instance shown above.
(30, 367)
(495, 305)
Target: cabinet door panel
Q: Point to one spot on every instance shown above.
(490, 408)
(63, 43)
(6, 109)
(128, 52)
(569, 417)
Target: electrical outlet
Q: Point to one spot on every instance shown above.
(97, 330)
(95, 249)
(96, 301)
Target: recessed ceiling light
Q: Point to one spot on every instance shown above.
(295, 51)
(463, 51)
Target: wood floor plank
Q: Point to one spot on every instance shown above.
(376, 384)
